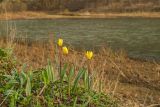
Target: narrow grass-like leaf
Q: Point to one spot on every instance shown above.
(85, 76)
(71, 74)
(89, 83)
(23, 78)
(28, 87)
(75, 102)
(45, 77)
(63, 72)
(50, 73)
(80, 73)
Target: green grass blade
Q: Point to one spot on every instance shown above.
(23, 78)
(80, 73)
(63, 72)
(75, 102)
(50, 72)
(28, 87)
(71, 74)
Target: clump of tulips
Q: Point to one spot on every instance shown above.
(85, 73)
(65, 51)
(47, 88)
(88, 54)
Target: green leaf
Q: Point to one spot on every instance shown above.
(28, 87)
(23, 78)
(80, 73)
(71, 74)
(45, 77)
(50, 72)
(2, 53)
(63, 72)
(75, 102)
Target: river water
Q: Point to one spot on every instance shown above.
(140, 37)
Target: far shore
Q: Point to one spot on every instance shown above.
(51, 15)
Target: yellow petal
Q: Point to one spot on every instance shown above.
(89, 54)
(65, 50)
(60, 42)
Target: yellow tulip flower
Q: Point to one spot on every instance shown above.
(60, 42)
(65, 50)
(89, 54)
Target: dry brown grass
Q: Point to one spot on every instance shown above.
(135, 83)
(50, 15)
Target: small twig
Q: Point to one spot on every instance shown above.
(121, 72)
(42, 90)
(117, 81)
(3, 101)
(145, 98)
(154, 105)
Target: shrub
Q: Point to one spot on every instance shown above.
(7, 63)
(12, 6)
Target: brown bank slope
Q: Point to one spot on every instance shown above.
(51, 15)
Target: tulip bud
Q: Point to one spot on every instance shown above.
(89, 54)
(65, 50)
(60, 42)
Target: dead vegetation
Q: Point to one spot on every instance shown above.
(135, 83)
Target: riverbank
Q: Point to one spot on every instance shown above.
(51, 15)
(134, 83)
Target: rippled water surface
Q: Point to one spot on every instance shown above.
(138, 36)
